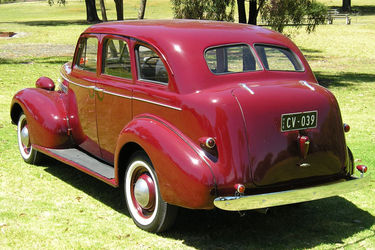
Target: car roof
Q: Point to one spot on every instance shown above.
(183, 43)
(180, 29)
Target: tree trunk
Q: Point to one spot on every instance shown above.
(119, 9)
(346, 5)
(104, 12)
(253, 12)
(241, 11)
(142, 9)
(91, 14)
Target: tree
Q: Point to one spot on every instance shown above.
(254, 8)
(279, 13)
(142, 9)
(220, 10)
(346, 5)
(241, 11)
(119, 9)
(103, 10)
(91, 14)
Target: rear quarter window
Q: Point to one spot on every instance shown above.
(276, 58)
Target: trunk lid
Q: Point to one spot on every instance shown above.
(277, 154)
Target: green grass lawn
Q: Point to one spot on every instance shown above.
(55, 206)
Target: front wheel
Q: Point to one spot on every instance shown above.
(28, 153)
(145, 204)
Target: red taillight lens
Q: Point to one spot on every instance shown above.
(346, 128)
(207, 142)
(362, 168)
(240, 188)
(210, 143)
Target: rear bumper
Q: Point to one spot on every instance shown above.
(238, 203)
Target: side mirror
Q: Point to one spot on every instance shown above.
(45, 83)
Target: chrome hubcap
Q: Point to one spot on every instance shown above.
(141, 193)
(25, 139)
(144, 191)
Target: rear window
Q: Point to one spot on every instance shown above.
(278, 58)
(231, 59)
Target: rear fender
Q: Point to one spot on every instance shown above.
(184, 176)
(46, 116)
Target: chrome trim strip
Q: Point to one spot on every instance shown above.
(157, 103)
(123, 96)
(118, 95)
(238, 203)
(243, 85)
(307, 85)
(77, 84)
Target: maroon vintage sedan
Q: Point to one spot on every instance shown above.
(192, 114)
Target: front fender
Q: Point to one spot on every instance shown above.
(184, 176)
(46, 116)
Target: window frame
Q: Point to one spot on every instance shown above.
(261, 68)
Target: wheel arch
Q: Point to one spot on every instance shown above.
(184, 177)
(124, 157)
(15, 112)
(48, 125)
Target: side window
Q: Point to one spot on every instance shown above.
(116, 58)
(150, 66)
(87, 54)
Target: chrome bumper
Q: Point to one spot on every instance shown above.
(238, 203)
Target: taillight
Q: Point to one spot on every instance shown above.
(362, 169)
(240, 188)
(209, 145)
(346, 127)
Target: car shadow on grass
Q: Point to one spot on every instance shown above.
(312, 54)
(343, 79)
(327, 221)
(306, 225)
(97, 189)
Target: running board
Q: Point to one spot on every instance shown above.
(82, 161)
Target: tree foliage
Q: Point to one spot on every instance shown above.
(279, 13)
(221, 10)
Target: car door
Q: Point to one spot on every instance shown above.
(83, 83)
(114, 93)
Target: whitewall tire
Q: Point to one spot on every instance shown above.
(28, 153)
(145, 204)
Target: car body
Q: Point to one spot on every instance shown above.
(194, 114)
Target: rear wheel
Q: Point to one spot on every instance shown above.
(145, 204)
(28, 153)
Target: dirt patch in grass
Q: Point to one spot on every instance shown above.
(35, 50)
